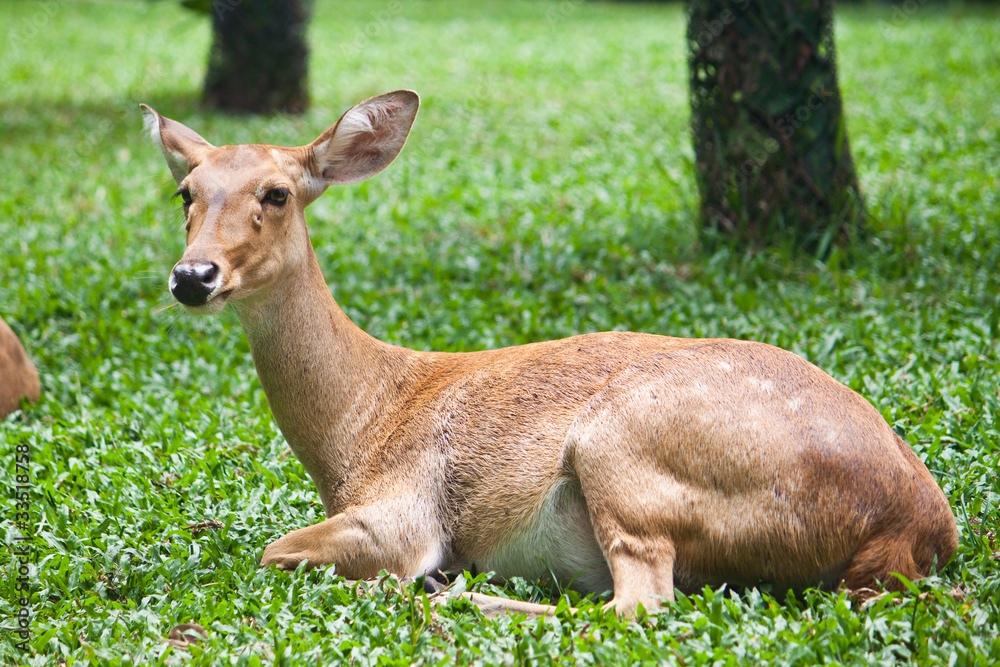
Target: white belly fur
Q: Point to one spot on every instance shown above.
(560, 542)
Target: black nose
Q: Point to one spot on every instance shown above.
(192, 282)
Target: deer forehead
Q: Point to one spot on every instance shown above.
(245, 170)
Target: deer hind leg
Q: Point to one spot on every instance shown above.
(916, 538)
(882, 556)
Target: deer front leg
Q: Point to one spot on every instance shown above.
(348, 541)
(361, 542)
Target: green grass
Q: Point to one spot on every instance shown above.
(547, 190)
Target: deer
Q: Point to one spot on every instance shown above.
(629, 463)
(18, 376)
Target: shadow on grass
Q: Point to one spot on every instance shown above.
(83, 129)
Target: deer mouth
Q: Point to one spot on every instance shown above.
(213, 304)
(218, 301)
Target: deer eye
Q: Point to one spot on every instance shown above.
(185, 196)
(276, 197)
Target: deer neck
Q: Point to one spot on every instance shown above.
(323, 376)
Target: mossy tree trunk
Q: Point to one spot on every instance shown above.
(259, 58)
(771, 149)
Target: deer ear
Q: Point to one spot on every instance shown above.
(182, 147)
(365, 140)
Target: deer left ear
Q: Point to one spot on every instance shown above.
(182, 147)
(365, 140)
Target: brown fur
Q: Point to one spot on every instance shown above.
(18, 376)
(622, 460)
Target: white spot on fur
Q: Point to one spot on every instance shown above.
(726, 366)
(764, 386)
(794, 404)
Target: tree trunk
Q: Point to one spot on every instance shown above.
(772, 156)
(259, 58)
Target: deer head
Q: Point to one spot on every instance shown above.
(244, 204)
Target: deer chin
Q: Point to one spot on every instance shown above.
(215, 303)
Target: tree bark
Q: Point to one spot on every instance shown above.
(259, 58)
(772, 155)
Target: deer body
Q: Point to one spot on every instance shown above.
(619, 461)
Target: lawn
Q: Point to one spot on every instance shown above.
(547, 190)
